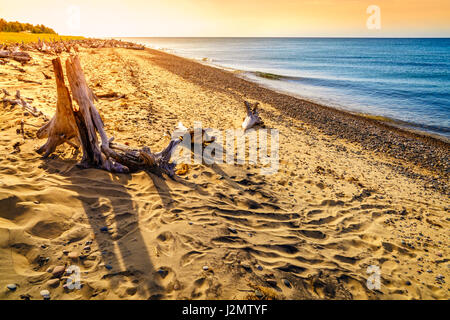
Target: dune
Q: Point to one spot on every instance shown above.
(337, 205)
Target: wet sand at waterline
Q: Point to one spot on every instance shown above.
(349, 193)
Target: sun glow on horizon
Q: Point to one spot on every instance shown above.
(245, 18)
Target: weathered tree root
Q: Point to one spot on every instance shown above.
(136, 160)
(83, 121)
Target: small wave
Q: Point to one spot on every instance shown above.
(311, 80)
(424, 128)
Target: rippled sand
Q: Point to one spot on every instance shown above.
(334, 208)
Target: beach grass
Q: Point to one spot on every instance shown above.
(12, 37)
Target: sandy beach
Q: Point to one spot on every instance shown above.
(351, 192)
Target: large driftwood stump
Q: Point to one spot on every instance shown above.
(88, 120)
(62, 127)
(82, 120)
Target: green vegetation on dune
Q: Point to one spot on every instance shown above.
(14, 31)
(11, 37)
(16, 26)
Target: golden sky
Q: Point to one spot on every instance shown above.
(399, 18)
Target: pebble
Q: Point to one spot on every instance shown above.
(205, 268)
(259, 267)
(408, 283)
(108, 266)
(45, 294)
(25, 296)
(12, 286)
(104, 229)
(87, 248)
(88, 243)
(258, 294)
(440, 278)
(58, 271)
(49, 270)
(73, 255)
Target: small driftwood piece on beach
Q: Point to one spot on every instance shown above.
(19, 56)
(252, 119)
(82, 122)
(18, 100)
(112, 96)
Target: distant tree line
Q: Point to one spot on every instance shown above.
(19, 27)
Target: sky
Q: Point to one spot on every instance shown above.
(228, 18)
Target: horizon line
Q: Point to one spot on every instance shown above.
(284, 37)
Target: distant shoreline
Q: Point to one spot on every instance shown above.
(135, 37)
(428, 151)
(394, 123)
(433, 131)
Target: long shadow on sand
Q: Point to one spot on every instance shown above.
(108, 204)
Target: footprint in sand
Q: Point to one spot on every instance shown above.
(165, 243)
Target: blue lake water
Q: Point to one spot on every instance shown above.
(403, 79)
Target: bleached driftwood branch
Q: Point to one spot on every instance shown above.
(19, 56)
(18, 100)
(252, 119)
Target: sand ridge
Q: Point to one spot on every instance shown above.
(309, 231)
